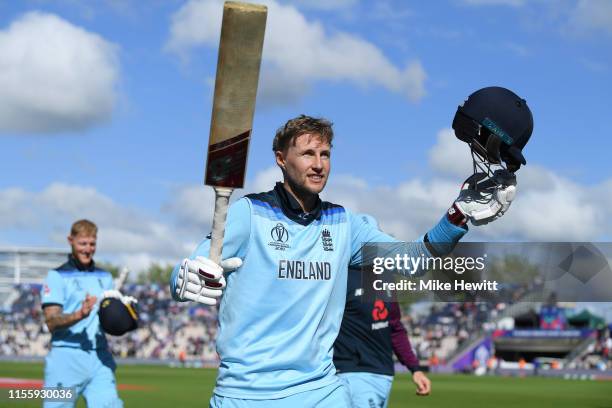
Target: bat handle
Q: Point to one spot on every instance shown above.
(222, 195)
(122, 278)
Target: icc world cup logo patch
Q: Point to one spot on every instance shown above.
(280, 236)
(279, 233)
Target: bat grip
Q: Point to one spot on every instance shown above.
(122, 278)
(222, 195)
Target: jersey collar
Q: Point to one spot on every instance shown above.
(292, 209)
(72, 261)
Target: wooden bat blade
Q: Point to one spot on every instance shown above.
(239, 61)
(242, 33)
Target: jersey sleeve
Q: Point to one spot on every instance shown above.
(363, 233)
(235, 240)
(53, 290)
(443, 237)
(438, 241)
(400, 341)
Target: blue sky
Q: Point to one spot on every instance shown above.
(106, 107)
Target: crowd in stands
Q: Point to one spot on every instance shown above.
(21, 329)
(598, 355)
(168, 329)
(186, 331)
(171, 330)
(444, 327)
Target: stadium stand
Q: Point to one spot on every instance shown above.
(513, 332)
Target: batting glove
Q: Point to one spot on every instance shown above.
(118, 295)
(484, 199)
(202, 280)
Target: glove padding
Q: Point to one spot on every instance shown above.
(202, 280)
(484, 199)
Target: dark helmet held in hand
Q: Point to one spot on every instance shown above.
(117, 317)
(497, 124)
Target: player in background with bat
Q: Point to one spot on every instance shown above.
(79, 357)
(286, 255)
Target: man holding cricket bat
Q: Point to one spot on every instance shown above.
(282, 264)
(284, 277)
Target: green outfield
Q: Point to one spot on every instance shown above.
(153, 386)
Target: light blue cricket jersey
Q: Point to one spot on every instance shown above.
(281, 311)
(67, 286)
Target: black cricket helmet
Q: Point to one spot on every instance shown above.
(497, 124)
(116, 317)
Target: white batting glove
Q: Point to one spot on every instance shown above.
(202, 280)
(484, 199)
(118, 295)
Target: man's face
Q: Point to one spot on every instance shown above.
(83, 247)
(306, 163)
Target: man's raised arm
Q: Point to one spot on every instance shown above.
(199, 279)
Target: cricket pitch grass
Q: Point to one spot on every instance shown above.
(159, 386)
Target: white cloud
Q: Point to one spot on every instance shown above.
(450, 155)
(298, 52)
(54, 76)
(280, 88)
(404, 211)
(141, 261)
(592, 15)
(122, 231)
(548, 208)
(196, 23)
(265, 179)
(193, 205)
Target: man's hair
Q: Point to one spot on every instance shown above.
(298, 126)
(83, 227)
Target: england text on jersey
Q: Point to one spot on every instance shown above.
(309, 270)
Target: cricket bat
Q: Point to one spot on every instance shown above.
(240, 47)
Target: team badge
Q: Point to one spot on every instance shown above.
(326, 239)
